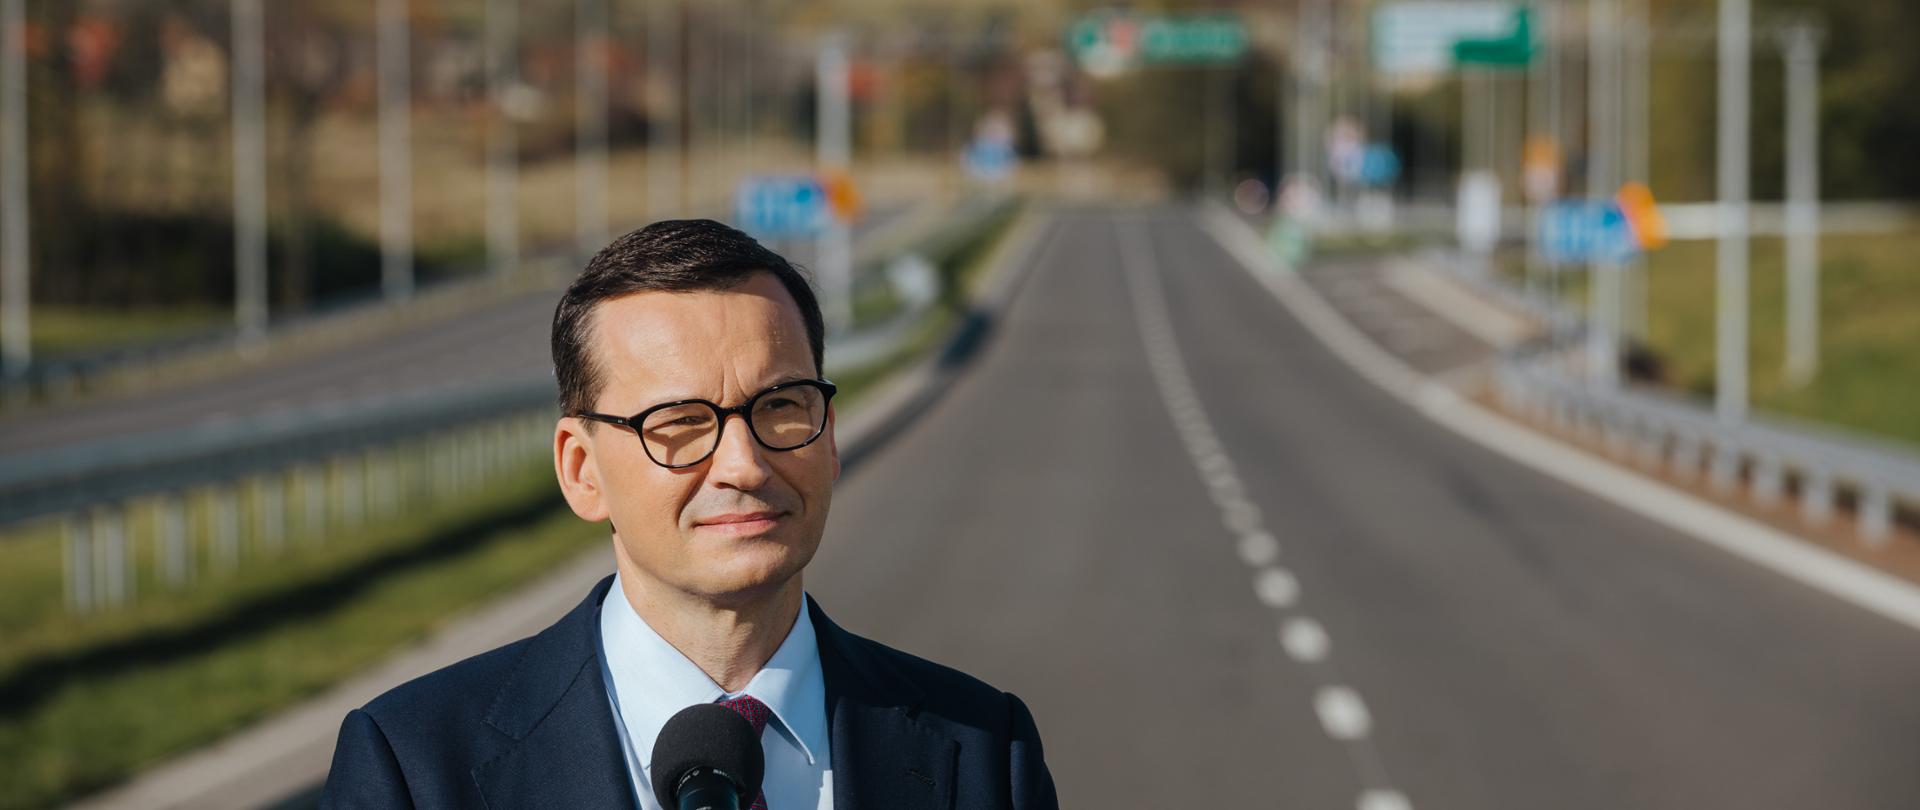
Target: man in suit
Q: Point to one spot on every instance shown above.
(696, 422)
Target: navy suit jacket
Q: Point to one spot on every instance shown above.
(528, 725)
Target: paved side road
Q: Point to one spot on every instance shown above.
(489, 345)
(1334, 602)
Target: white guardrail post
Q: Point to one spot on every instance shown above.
(256, 512)
(1766, 459)
(205, 501)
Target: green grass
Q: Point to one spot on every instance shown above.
(86, 701)
(874, 304)
(94, 728)
(35, 625)
(1869, 344)
(1869, 376)
(1360, 243)
(78, 330)
(962, 270)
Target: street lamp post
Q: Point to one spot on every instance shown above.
(249, 172)
(1730, 390)
(833, 157)
(590, 130)
(503, 187)
(396, 152)
(15, 279)
(1801, 44)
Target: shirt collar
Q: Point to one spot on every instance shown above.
(652, 680)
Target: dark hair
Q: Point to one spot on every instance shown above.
(676, 255)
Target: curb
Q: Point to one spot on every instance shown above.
(1791, 557)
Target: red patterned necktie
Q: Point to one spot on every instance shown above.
(758, 714)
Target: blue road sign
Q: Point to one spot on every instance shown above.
(1583, 231)
(781, 206)
(989, 159)
(1379, 166)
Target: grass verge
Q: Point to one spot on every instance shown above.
(1869, 341)
(90, 717)
(61, 330)
(86, 702)
(962, 267)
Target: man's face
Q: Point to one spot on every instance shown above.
(671, 525)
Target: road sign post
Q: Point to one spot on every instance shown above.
(1309, 94)
(15, 280)
(1802, 46)
(590, 129)
(1636, 147)
(396, 154)
(503, 183)
(663, 181)
(1603, 105)
(1730, 372)
(833, 145)
(249, 172)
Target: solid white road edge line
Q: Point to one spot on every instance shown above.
(1796, 559)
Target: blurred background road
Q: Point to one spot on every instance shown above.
(1516, 643)
(483, 344)
(1155, 327)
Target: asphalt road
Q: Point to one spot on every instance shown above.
(1430, 626)
(500, 342)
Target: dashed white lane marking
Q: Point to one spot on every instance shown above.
(1342, 713)
(1259, 548)
(1305, 640)
(1383, 800)
(1843, 578)
(1226, 491)
(1241, 516)
(1276, 587)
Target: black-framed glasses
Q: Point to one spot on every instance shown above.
(679, 434)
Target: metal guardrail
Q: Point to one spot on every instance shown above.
(341, 463)
(367, 464)
(939, 246)
(1685, 437)
(1880, 478)
(78, 477)
(59, 378)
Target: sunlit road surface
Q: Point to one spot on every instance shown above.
(1224, 570)
(502, 342)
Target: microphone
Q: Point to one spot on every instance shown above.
(707, 757)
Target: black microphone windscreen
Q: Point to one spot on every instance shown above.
(707, 735)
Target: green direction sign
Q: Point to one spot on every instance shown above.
(1417, 38)
(1514, 50)
(1108, 41)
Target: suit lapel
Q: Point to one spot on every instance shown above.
(566, 752)
(883, 757)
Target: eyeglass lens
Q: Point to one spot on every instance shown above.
(781, 420)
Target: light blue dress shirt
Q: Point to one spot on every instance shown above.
(648, 681)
